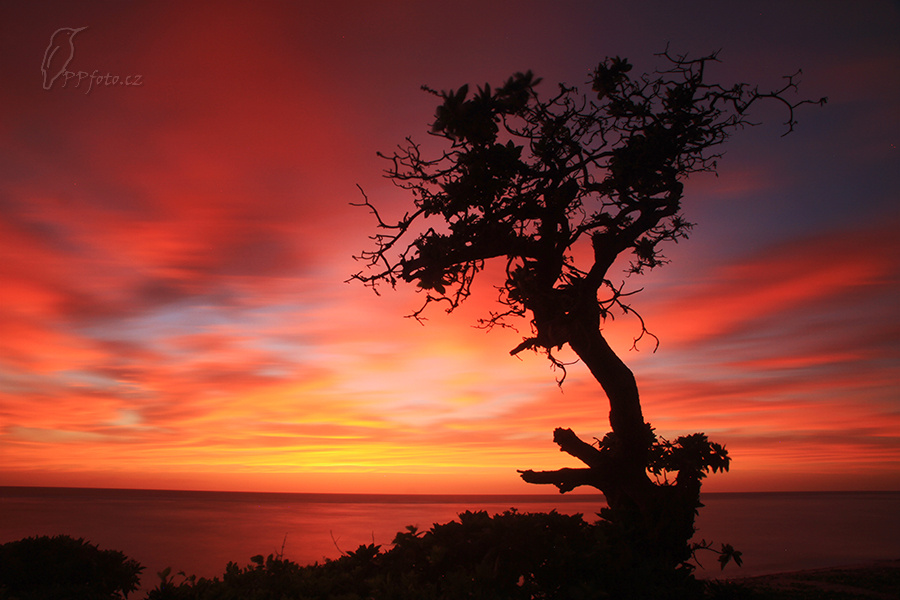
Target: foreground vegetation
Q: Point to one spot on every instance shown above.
(511, 555)
(63, 568)
(508, 556)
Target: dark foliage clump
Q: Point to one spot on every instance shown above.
(506, 556)
(65, 568)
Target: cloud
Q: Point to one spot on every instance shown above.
(781, 288)
(172, 259)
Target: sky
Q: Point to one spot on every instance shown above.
(175, 240)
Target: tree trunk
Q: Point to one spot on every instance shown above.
(654, 522)
(629, 483)
(617, 381)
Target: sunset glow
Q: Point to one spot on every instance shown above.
(173, 255)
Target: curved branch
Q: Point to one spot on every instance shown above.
(565, 479)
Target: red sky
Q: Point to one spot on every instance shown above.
(173, 311)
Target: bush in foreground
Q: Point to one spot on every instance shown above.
(65, 568)
(508, 556)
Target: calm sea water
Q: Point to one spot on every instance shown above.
(200, 532)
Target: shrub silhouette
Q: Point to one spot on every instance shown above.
(65, 568)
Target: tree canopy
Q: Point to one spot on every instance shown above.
(557, 187)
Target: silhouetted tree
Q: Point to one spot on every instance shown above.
(558, 188)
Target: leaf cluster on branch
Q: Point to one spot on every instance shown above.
(686, 460)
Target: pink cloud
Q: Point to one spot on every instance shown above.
(788, 279)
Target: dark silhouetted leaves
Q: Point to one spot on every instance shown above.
(65, 568)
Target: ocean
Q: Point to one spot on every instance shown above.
(200, 532)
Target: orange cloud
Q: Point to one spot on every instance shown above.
(172, 259)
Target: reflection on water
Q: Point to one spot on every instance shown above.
(200, 532)
(793, 531)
